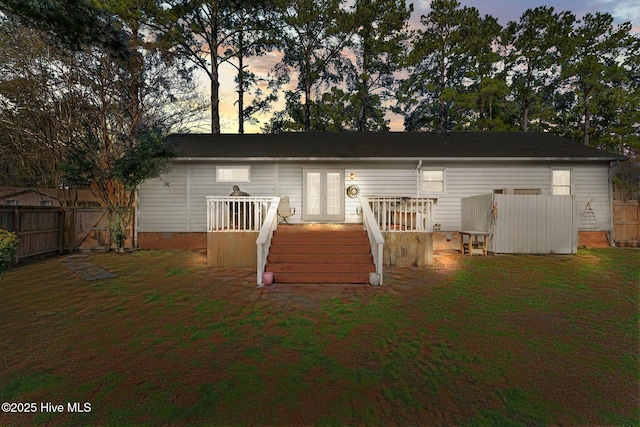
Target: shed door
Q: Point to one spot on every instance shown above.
(323, 194)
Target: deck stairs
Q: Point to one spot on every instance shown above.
(324, 255)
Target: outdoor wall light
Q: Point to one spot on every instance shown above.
(352, 176)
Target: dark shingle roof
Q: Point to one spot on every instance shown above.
(384, 145)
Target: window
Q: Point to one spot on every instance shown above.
(561, 181)
(433, 181)
(11, 202)
(232, 173)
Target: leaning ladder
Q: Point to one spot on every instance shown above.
(589, 222)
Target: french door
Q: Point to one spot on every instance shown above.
(323, 194)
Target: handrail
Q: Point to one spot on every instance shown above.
(375, 236)
(263, 242)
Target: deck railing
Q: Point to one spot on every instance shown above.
(237, 213)
(263, 241)
(375, 237)
(402, 213)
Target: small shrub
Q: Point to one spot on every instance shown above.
(8, 247)
(116, 229)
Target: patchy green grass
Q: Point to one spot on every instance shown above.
(502, 340)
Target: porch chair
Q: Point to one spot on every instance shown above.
(285, 210)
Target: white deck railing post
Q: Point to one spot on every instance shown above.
(263, 242)
(375, 236)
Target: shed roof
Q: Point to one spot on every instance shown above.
(384, 145)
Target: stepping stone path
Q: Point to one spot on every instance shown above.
(86, 270)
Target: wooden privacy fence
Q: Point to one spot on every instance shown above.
(626, 223)
(46, 229)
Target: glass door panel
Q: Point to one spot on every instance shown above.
(323, 194)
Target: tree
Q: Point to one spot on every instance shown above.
(123, 130)
(251, 34)
(73, 23)
(595, 62)
(39, 106)
(437, 64)
(535, 63)
(334, 111)
(93, 118)
(378, 41)
(199, 31)
(313, 35)
(480, 101)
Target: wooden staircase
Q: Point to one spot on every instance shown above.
(299, 255)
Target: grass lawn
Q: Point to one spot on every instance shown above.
(502, 340)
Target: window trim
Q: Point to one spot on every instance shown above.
(571, 182)
(248, 168)
(444, 180)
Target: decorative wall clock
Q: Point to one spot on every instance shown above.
(353, 191)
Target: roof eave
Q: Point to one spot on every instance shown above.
(396, 159)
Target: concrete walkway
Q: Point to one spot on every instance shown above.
(78, 264)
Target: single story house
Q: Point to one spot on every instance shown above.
(326, 175)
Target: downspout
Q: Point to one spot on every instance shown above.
(612, 230)
(418, 178)
(136, 213)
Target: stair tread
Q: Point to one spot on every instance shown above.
(292, 267)
(307, 277)
(323, 249)
(332, 234)
(320, 241)
(320, 258)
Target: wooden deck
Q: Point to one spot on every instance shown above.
(320, 253)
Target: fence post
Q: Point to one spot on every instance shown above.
(61, 230)
(16, 228)
(72, 233)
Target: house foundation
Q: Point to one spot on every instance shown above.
(188, 241)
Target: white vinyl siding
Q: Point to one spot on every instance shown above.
(181, 206)
(177, 201)
(162, 202)
(464, 180)
(591, 182)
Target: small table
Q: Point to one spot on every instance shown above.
(473, 242)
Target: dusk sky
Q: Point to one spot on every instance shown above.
(503, 10)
